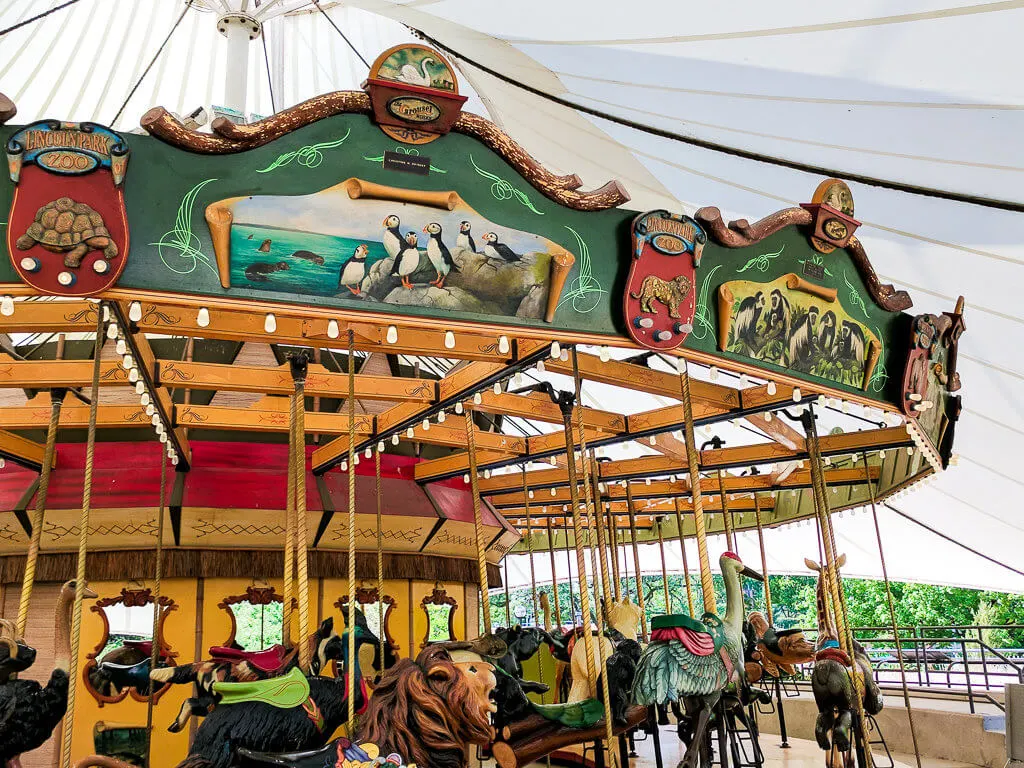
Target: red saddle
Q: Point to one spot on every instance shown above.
(697, 643)
(268, 660)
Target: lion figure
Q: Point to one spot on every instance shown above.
(669, 292)
(429, 709)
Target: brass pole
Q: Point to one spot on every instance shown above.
(613, 541)
(351, 553)
(154, 653)
(599, 522)
(533, 575)
(301, 532)
(83, 542)
(693, 464)
(640, 600)
(380, 562)
(554, 573)
(289, 537)
(730, 542)
(764, 560)
(478, 524)
(664, 568)
(682, 550)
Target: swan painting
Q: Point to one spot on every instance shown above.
(413, 76)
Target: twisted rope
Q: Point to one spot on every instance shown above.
(154, 653)
(289, 535)
(892, 611)
(478, 523)
(764, 560)
(602, 543)
(352, 660)
(301, 532)
(28, 581)
(682, 550)
(664, 568)
(613, 545)
(83, 541)
(693, 464)
(730, 540)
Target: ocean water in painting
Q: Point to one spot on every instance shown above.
(251, 266)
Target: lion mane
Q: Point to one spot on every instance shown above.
(426, 711)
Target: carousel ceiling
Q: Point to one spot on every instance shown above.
(869, 92)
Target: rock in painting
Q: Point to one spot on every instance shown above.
(306, 241)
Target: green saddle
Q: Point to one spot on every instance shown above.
(674, 620)
(283, 692)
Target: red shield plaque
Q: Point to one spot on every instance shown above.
(659, 300)
(67, 232)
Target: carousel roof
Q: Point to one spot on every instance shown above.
(675, 106)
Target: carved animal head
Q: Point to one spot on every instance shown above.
(759, 299)
(682, 284)
(430, 709)
(464, 226)
(523, 642)
(624, 616)
(327, 646)
(15, 656)
(391, 222)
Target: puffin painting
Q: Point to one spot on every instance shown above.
(494, 249)
(392, 239)
(353, 270)
(465, 239)
(438, 254)
(408, 259)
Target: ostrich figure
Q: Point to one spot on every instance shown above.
(29, 712)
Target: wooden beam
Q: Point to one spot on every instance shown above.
(538, 407)
(23, 451)
(278, 381)
(457, 386)
(267, 420)
(48, 374)
(778, 430)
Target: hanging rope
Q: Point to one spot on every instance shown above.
(289, 536)
(298, 419)
(352, 660)
(56, 400)
(533, 576)
(380, 563)
(478, 523)
(664, 568)
(730, 541)
(554, 570)
(693, 464)
(764, 560)
(343, 36)
(83, 542)
(606, 574)
(154, 653)
(640, 600)
(613, 544)
(682, 551)
(892, 611)
(508, 606)
(37, 17)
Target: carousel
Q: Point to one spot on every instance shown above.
(279, 398)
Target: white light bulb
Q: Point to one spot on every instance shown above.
(426, 425)
(150, 410)
(743, 380)
(369, 453)
(604, 354)
(144, 398)
(270, 323)
(333, 331)
(155, 419)
(910, 450)
(159, 428)
(540, 366)
(767, 415)
(653, 440)
(772, 388)
(503, 345)
(380, 446)
(174, 459)
(112, 331)
(564, 357)
(796, 394)
(391, 337)
(127, 361)
(120, 347)
(441, 417)
(881, 454)
(135, 311)
(465, 478)
(459, 409)
(355, 460)
(449, 340)
(163, 437)
(497, 387)
(203, 317)
(395, 439)
(477, 398)
(647, 481)
(344, 466)
(713, 373)
(487, 474)
(529, 494)
(139, 388)
(554, 492)
(556, 350)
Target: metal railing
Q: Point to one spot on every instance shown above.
(952, 662)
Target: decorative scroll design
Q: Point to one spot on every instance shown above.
(262, 594)
(229, 138)
(308, 156)
(439, 597)
(741, 233)
(182, 240)
(129, 598)
(7, 109)
(502, 190)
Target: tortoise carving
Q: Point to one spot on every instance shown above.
(74, 229)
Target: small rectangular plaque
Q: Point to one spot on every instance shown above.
(817, 271)
(395, 161)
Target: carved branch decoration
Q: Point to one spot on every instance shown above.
(7, 109)
(741, 233)
(229, 138)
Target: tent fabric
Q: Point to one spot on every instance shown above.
(921, 92)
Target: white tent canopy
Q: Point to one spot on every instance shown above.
(917, 92)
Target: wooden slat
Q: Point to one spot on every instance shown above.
(74, 415)
(278, 381)
(46, 374)
(267, 420)
(538, 406)
(778, 430)
(22, 450)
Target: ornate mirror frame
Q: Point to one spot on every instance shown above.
(130, 597)
(369, 596)
(439, 597)
(262, 594)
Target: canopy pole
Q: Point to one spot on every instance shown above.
(28, 581)
(730, 540)
(892, 611)
(380, 562)
(154, 653)
(83, 542)
(602, 544)
(682, 551)
(298, 368)
(640, 600)
(287, 613)
(764, 561)
(533, 578)
(478, 523)
(613, 547)
(693, 464)
(351, 549)
(664, 568)
(554, 569)
(508, 607)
